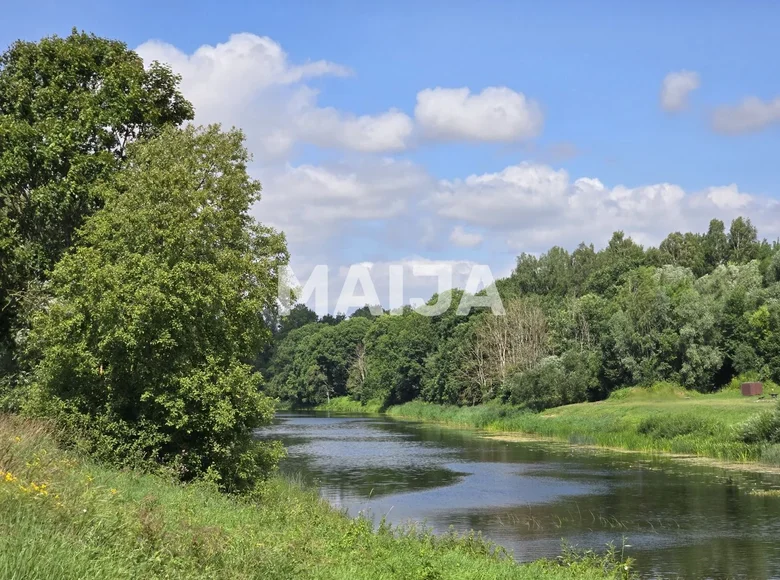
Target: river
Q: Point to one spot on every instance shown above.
(674, 518)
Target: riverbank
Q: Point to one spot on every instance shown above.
(66, 517)
(662, 419)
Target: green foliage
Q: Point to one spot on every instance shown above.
(556, 381)
(579, 326)
(69, 108)
(347, 404)
(493, 415)
(313, 363)
(397, 346)
(671, 426)
(763, 427)
(152, 319)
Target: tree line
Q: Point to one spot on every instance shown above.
(697, 310)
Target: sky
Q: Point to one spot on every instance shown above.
(433, 134)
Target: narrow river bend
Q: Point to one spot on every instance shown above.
(677, 519)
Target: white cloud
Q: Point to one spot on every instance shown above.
(389, 131)
(495, 114)
(534, 207)
(249, 81)
(464, 239)
(492, 198)
(752, 114)
(310, 203)
(728, 197)
(675, 89)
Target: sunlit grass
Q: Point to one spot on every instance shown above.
(347, 405)
(65, 517)
(663, 418)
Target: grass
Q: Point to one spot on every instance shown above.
(62, 516)
(662, 418)
(347, 405)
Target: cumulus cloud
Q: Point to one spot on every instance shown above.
(250, 82)
(311, 202)
(464, 239)
(675, 89)
(496, 114)
(535, 206)
(751, 115)
(492, 198)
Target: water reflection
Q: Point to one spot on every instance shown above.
(678, 519)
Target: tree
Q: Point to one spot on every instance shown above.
(556, 381)
(684, 250)
(153, 318)
(716, 245)
(300, 315)
(396, 348)
(743, 241)
(496, 346)
(312, 363)
(621, 256)
(551, 274)
(69, 108)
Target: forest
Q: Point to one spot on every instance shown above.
(697, 311)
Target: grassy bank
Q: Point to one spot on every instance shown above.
(347, 405)
(65, 517)
(660, 419)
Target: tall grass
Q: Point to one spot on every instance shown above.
(65, 517)
(661, 418)
(347, 405)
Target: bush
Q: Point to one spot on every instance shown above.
(763, 427)
(555, 381)
(141, 351)
(671, 426)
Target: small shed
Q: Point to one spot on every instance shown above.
(751, 389)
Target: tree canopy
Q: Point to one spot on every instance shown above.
(69, 109)
(155, 316)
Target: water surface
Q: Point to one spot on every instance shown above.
(677, 519)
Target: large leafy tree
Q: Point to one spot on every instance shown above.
(396, 349)
(69, 108)
(155, 316)
(313, 362)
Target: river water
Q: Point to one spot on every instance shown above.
(675, 519)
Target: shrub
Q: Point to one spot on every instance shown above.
(763, 427)
(142, 350)
(671, 426)
(555, 381)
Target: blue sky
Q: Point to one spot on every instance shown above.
(580, 83)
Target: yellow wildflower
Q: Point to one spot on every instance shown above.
(113, 491)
